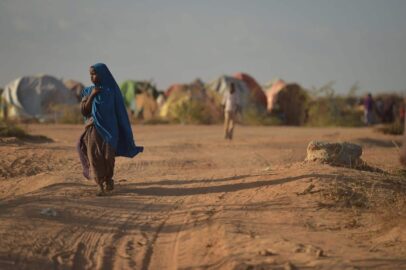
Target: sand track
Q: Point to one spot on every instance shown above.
(193, 201)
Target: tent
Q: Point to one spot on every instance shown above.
(288, 102)
(272, 91)
(222, 85)
(31, 97)
(256, 92)
(191, 100)
(248, 90)
(75, 87)
(147, 107)
(174, 88)
(140, 98)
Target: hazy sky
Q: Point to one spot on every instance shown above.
(307, 41)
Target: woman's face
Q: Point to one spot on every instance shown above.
(93, 76)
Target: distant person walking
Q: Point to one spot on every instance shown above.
(368, 109)
(107, 129)
(231, 105)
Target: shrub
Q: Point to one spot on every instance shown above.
(193, 112)
(329, 109)
(253, 116)
(11, 130)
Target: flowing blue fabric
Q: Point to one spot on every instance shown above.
(110, 115)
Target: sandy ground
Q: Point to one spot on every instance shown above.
(194, 201)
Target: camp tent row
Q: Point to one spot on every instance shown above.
(187, 99)
(287, 101)
(76, 87)
(140, 97)
(33, 97)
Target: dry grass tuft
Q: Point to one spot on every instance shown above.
(11, 130)
(396, 128)
(384, 193)
(8, 129)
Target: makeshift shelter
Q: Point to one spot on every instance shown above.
(256, 92)
(191, 103)
(75, 87)
(35, 97)
(288, 102)
(174, 88)
(147, 107)
(222, 85)
(140, 98)
(160, 100)
(272, 91)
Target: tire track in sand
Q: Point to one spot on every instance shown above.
(152, 243)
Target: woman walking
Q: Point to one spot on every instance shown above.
(107, 129)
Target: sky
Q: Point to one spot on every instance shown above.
(311, 42)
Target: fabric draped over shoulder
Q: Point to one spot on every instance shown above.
(110, 115)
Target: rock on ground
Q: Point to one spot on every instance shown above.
(339, 154)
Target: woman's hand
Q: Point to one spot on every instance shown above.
(95, 91)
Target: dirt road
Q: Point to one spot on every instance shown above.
(195, 201)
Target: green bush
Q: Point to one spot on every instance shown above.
(253, 116)
(11, 130)
(193, 112)
(333, 112)
(329, 109)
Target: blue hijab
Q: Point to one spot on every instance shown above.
(110, 115)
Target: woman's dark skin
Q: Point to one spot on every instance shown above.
(95, 79)
(93, 76)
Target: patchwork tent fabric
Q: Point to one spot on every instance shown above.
(175, 95)
(140, 98)
(35, 96)
(272, 92)
(222, 85)
(256, 92)
(250, 93)
(147, 107)
(191, 100)
(75, 86)
(177, 87)
(289, 103)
